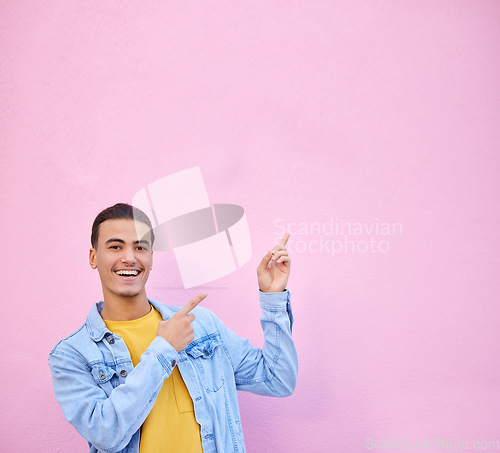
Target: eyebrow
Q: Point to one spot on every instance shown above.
(121, 241)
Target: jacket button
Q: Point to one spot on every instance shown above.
(123, 373)
(205, 352)
(101, 375)
(111, 340)
(172, 363)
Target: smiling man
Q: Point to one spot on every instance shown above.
(141, 376)
(122, 254)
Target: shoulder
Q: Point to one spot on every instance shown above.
(205, 315)
(74, 348)
(69, 340)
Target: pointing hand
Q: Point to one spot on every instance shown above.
(274, 269)
(178, 330)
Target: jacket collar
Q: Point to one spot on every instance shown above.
(97, 329)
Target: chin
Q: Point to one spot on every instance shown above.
(130, 294)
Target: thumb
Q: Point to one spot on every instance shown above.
(263, 264)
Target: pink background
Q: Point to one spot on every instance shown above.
(301, 112)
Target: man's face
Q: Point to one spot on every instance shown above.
(123, 257)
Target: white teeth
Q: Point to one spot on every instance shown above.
(127, 273)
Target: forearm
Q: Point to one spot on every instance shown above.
(108, 419)
(279, 352)
(271, 370)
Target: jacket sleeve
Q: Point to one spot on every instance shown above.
(272, 370)
(109, 422)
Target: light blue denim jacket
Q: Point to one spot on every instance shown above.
(106, 399)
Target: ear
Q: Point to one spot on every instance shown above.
(92, 260)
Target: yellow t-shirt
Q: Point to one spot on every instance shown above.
(171, 425)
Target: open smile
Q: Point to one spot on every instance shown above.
(128, 274)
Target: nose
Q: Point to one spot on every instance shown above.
(128, 255)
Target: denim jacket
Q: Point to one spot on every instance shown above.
(107, 399)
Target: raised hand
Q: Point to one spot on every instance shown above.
(274, 269)
(178, 330)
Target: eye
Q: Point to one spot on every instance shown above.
(116, 247)
(141, 248)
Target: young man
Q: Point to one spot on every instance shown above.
(141, 376)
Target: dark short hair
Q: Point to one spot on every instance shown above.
(119, 211)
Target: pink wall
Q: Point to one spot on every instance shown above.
(305, 113)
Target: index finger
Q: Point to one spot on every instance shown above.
(191, 304)
(284, 239)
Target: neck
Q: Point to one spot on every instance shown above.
(119, 308)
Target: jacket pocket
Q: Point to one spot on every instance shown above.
(103, 376)
(207, 357)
